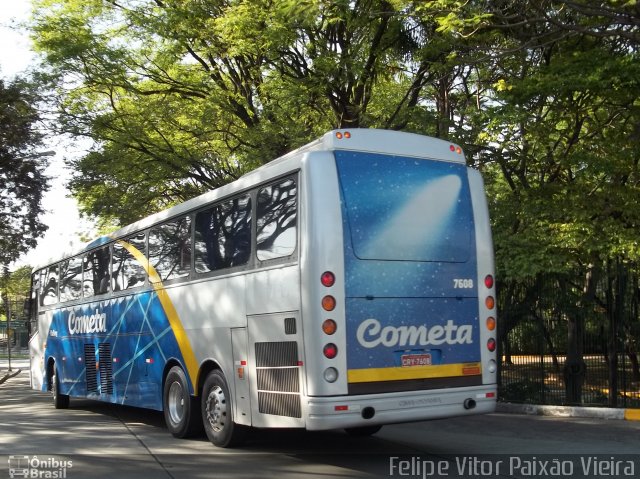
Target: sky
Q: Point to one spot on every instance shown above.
(62, 216)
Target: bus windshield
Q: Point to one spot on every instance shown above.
(406, 209)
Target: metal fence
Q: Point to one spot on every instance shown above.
(16, 331)
(571, 339)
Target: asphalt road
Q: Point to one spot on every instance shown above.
(96, 440)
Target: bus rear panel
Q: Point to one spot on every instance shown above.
(415, 318)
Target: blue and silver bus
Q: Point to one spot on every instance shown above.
(346, 285)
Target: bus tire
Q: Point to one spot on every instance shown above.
(217, 414)
(181, 411)
(60, 401)
(362, 431)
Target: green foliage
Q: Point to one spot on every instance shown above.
(182, 96)
(22, 180)
(16, 284)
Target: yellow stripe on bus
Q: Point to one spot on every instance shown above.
(190, 361)
(413, 372)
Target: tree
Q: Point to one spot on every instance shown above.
(22, 179)
(564, 133)
(184, 96)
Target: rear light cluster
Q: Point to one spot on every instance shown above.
(490, 322)
(329, 326)
(456, 149)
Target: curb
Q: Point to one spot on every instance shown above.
(10, 375)
(569, 411)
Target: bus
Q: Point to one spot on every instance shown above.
(346, 285)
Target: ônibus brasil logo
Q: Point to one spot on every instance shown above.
(94, 323)
(38, 467)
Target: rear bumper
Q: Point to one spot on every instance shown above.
(368, 410)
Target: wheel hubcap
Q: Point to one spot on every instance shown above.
(176, 403)
(216, 409)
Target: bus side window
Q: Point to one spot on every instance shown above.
(128, 272)
(223, 235)
(49, 290)
(33, 300)
(277, 220)
(170, 249)
(71, 279)
(95, 279)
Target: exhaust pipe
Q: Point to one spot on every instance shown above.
(469, 403)
(368, 412)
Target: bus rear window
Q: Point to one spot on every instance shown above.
(406, 209)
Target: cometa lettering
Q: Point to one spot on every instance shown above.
(371, 334)
(95, 323)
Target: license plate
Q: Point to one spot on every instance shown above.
(409, 360)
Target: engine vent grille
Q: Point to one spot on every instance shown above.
(90, 368)
(106, 368)
(278, 378)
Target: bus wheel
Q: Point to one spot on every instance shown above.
(362, 431)
(181, 411)
(216, 412)
(60, 401)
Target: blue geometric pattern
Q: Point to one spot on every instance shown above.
(141, 341)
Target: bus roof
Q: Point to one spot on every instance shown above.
(358, 139)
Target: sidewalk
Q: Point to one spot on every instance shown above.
(570, 411)
(17, 366)
(9, 374)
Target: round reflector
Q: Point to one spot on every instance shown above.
(491, 323)
(493, 367)
(329, 326)
(490, 302)
(328, 303)
(330, 350)
(331, 375)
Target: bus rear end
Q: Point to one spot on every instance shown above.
(401, 290)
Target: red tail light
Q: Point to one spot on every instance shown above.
(330, 350)
(328, 279)
(488, 281)
(491, 344)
